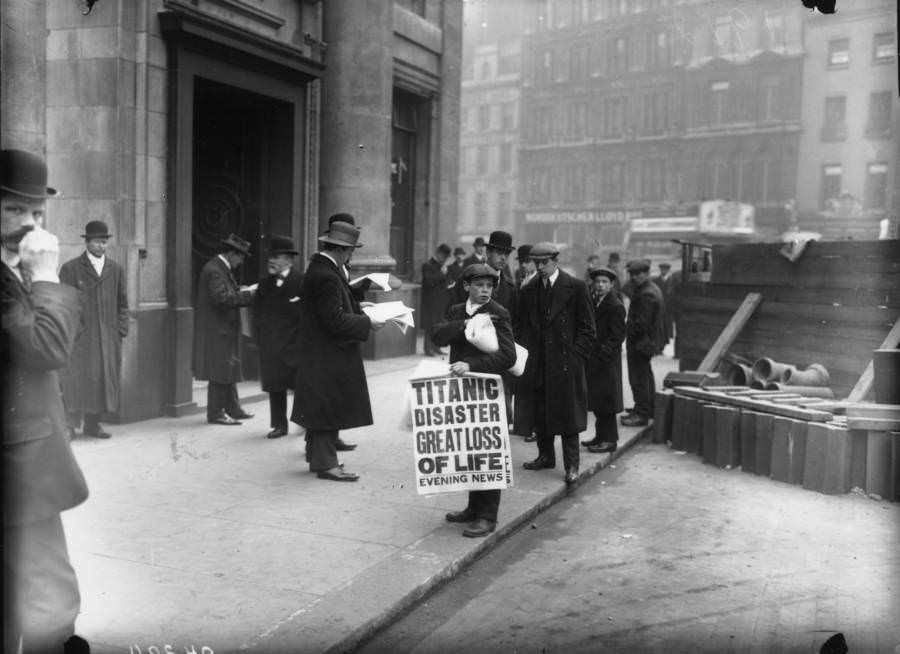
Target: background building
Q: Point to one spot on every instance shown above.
(644, 121)
(847, 174)
(180, 121)
(489, 118)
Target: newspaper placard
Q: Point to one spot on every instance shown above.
(460, 433)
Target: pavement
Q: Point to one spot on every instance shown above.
(207, 538)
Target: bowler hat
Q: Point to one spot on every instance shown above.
(24, 174)
(605, 272)
(524, 252)
(444, 249)
(458, 250)
(638, 266)
(96, 229)
(479, 270)
(341, 233)
(500, 241)
(544, 250)
(236, 243)
(478, 241)
(282, 245)
(665, 265)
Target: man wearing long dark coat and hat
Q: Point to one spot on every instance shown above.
(217, 331)
(91, 381)
(331, 392)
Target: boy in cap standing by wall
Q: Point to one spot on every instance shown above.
(91, 381)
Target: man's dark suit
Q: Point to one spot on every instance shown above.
(451, 331)
(331, 392)
(556, 326)
(217, 334)
(604, 367)
(434, 299)
(40, 473)
(276, 311)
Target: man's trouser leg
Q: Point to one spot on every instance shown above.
(321, 449)
(571, 452)
(278, 410)
(484, 504)
(40, 589)
(216, 394)
(640, 377)
(544, 440)
(605, 427)
(232, 404)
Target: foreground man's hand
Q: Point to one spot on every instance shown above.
(39, 254)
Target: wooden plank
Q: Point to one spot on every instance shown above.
(873, 424)
(872, 410)
(729, 334)
(864, 385)
(756, 405)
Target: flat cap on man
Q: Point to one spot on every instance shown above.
(479, 270)
(638, 266)
(544, 250)
(603, 271)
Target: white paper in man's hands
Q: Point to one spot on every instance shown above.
(378, 279)
(395, 312)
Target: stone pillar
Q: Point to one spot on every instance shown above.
(23, 45)
(357, 93)
(448, 135)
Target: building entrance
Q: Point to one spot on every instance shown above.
(243, 154)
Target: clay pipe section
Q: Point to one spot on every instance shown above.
(766, 370)
(814, 375)
(806, 391)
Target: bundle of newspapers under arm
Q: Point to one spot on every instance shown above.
(395, 312)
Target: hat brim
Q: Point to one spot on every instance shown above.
(501, 248)
(334, 241)
(96, 236)
(294, 252)
(49, 192)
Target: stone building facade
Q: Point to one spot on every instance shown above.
(180, 121)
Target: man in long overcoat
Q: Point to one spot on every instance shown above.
(434, 294)
(276, 310)
(665, 282)
(331, 392)
(91, 380)
(555, 323)
(604, 366)
(645, 338)
(217, 332)
(41, 477)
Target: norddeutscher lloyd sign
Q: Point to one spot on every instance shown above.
(460, 434)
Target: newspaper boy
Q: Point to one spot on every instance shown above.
(478, 280)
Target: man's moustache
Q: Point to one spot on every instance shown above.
(15, 237)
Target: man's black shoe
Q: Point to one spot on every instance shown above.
(571, 476)
(460, 516)
(634, 420)
(593, 441)
(532, 437)
(539, 463)
(243, 415)
(343, 446)
(223, 419)
(601, 448)
(278, 432)
(479, 528)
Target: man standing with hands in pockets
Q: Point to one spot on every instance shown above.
(331, 392)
